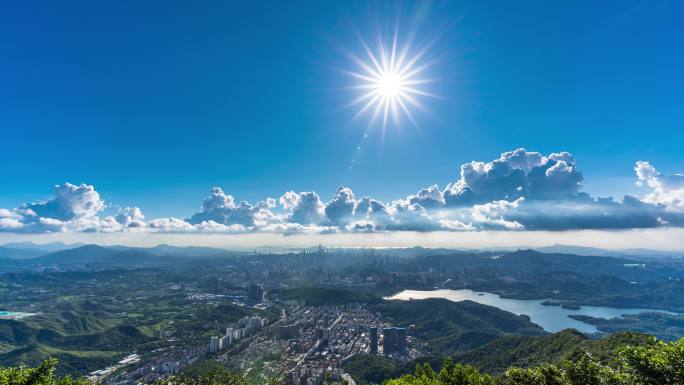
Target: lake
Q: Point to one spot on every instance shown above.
(551, 318)
(13, 314)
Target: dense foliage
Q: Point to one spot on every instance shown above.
(41, 375)
(528, 351)
(367, 368)
(215, 377)
(659, 364)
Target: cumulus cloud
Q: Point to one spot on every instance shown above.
(70, 202)
(4, 213)
(520, 190)
(340, 210)
(130, 217)
(667, 190)
(516, 174)
(73, 207)
(170, 225)
(372, 211)
(9, 220)
(305, 208)
(405, 215)
(493, 215)
(222, 209)
(429, 198)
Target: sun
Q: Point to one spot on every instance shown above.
(391, 81)
(390, 85)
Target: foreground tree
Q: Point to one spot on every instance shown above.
(41, 375)
(215, 377)
(659, 363)
(585, 370)
(450, 374)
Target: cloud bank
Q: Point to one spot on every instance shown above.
(521, 190)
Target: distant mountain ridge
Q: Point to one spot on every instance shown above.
(98, 255)
(162, 255)
(83, 254)
(12, 253)
(112, 256)
(49, 247)
(593, 251)
(29, 250)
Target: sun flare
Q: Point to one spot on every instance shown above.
(390, 80)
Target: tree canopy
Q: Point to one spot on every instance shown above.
(657, 364)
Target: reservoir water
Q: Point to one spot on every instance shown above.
(551, 318)
(13, 315)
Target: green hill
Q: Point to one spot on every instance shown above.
(526, 351)
(70, 362)
(83, 336)
(449, 327)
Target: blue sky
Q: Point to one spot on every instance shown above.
(155, 103)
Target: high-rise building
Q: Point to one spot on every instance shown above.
(389, 341)
(401, 340)
(256, 293)
(394, 341)
(373, 340)
(254, 322)
(214, 344)
(281, 293)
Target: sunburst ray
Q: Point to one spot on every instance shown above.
(390, 80)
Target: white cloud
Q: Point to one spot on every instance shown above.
(514, 175)
(170, 225)
(340, 210)
(492, 215)
(429, 198)
(72, 208)
(10, 224)
(305, 208)
(130, 217)
(4, 213)
(222, 209)
(667, 190)
(70, 202)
